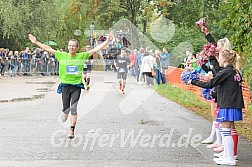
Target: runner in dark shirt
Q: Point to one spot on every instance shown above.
(87, 70)
(122, 64)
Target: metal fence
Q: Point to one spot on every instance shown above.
(33, 66)
(44, 66)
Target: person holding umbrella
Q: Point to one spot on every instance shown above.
(70, 75)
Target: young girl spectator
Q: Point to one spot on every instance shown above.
(230, 101)
(222, 44)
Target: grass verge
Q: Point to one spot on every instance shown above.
(192, 102)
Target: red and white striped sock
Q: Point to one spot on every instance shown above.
(234, 135)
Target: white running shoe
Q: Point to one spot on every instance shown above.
(221, 154)
(207, 141)
(226, 162)
(218, 159)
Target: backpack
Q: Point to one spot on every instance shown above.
(118, 46)
(25, 55)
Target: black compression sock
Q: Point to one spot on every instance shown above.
(72, 128)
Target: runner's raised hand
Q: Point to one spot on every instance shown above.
(111, 35)
(32, 38)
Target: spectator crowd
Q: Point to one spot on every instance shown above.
(27, 62)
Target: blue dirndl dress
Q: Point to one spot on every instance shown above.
(229, 114)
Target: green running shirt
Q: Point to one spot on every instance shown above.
(70, 68)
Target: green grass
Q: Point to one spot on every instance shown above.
(192, 102)
(245, 128)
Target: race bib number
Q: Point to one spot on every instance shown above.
(72, 69)
(85, 65)
(121, 70)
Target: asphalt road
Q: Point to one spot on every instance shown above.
(140, 128)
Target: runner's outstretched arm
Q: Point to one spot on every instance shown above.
(47, 48)
(99, 47)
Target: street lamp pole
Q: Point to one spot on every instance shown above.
(91, 34)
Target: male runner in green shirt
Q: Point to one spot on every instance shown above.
(70, 74)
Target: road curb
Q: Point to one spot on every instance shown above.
(21, 99)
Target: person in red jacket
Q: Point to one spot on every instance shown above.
(132, 58)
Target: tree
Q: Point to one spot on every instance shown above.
(106, 13)
(19, 18)
(132, 7)
(238, 22)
